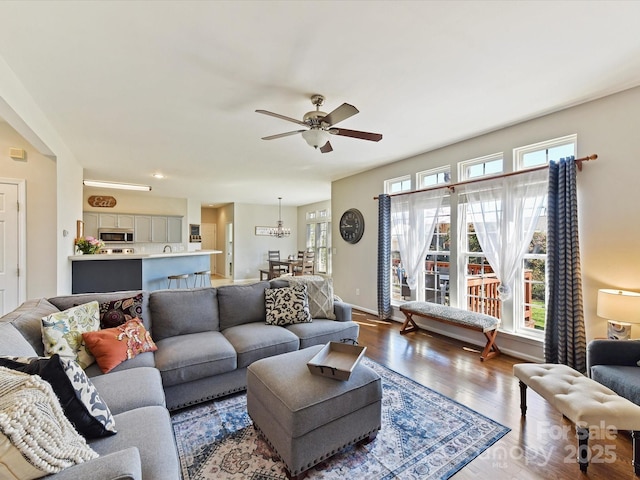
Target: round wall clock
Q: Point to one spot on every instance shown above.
(352, 225)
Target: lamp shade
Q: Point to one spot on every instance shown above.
(619, 305)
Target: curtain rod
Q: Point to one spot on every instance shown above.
(453, 186)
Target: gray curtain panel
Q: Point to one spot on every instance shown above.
(565, 338)
(384, 257)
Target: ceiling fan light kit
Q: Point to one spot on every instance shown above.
(319, 125)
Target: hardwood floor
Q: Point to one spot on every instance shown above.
(542, 446)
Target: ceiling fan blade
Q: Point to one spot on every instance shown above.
(374, 137)
(341, 113)
(326, 148)
(283, 117)
(280, 135)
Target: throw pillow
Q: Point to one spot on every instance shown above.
(287, 305)
(36, 438)
(79, 398)
(119, 311)
(112, 346)
(62, 332)
(320, 294)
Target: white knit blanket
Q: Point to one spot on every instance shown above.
(33, 420)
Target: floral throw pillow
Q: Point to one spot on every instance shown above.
(112, 346)
(119, 311)
(62, 332)
(287, 305)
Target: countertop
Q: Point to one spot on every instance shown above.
(141, 256)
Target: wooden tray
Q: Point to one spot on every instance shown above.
(336, 360)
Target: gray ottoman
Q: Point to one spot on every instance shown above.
(307, 418)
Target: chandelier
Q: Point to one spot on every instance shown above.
(279, 231)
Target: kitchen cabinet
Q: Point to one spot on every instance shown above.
(113, 220)
(174, 229)
(142, 232)
(147, 228)
(159, 229)
(90, 224)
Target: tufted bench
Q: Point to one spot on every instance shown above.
(588, 404)
(480, 322)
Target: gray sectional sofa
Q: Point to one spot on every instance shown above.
(206, 338)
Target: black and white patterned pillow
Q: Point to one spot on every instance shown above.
(79, 398)
(287, 305)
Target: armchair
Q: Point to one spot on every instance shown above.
(614, 364)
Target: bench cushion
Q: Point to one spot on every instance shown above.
(476, 320)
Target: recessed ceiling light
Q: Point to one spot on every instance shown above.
(120, 186)
(158, 175)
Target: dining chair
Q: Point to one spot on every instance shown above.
(276, 270)
(307, 266)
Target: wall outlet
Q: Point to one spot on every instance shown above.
(357, 291)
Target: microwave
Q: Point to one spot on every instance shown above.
(115, 235)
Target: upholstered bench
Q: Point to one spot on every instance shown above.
(588, 404)
(480, 322)
(307, 418)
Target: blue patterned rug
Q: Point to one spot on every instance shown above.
(424, 435)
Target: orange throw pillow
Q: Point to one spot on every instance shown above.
(112, 346)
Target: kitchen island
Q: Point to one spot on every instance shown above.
(134, 271)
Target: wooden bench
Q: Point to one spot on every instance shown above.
(479, 322)
(588, 404)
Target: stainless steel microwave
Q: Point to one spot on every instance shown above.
(116, 235)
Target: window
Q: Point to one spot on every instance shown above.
(456, 270)
(317, 239)
(397, 185)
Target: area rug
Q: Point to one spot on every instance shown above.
(424, 435)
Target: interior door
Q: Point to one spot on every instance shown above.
(209, 232)
(9, 248)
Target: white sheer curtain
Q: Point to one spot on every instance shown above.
(413, 219)
(505, 212)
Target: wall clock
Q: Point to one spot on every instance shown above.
(352, 225)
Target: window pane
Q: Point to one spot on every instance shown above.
(561, 151)
(532, 159)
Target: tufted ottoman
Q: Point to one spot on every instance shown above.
(307, 418)
(587, 403)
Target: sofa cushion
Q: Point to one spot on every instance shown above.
(287, 305)
(62, 332)
(149, 429)
(181, 312)
(241, 304)
(116, 312)
(623, 380)
(116, 389)
(193, 356)
(112, 346)
(27, 318)
(258, 340)
(322, 331)
(79, 399)
(32, 420)
(13, 343)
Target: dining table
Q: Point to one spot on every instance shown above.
(289, 263)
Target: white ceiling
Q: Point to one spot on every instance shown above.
(135, 88)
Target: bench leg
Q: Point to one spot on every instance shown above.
(523, 398)
(635, 435)
(409, 325)
(491, 349)
(583, 447)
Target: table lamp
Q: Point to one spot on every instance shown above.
(621, 309)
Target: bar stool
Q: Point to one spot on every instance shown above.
(200, 276)
(177, 278)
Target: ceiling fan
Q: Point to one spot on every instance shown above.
(320, 125)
